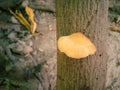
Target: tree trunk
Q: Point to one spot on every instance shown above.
(90, 18)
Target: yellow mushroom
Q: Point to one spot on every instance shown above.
(19, 16)
(30, 14)
(76, 45)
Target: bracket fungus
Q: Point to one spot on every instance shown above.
(76, 45)
(19, 16)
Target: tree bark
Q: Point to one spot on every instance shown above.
(90, 18)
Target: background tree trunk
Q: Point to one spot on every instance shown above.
(90, 18)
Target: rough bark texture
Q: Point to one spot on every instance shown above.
(90, 18)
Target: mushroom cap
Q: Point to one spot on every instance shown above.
(76, 45)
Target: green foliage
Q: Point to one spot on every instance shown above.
(7, 69)
(10, 84)
(11, 78)
(114, 13)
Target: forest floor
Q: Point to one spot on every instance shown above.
(29, 52)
